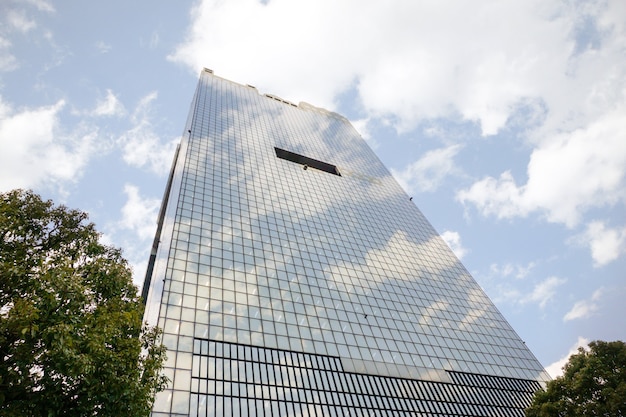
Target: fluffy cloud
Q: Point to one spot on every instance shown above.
(515, 270)
(579, 157)
(519, 291)
(141, 145)
(362, 126)
(584, 308)
(41, 5)
(103, 47)
(606, 244)
(135, 228)
(18, 20)
(109, 106)
(8, 62)
(427, 173)
(567, 175)
(555, 369)
(139, 214)
(544, 291)
(553, 69)
(405, 62)
(453, 239)
(36, 151)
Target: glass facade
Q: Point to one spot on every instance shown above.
(293, 276)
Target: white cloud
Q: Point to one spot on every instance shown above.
(363, 127)
(453, 240)
(555, 369)
(541, 293)
(41, 5)
(18, 20)
(584, 308)
(36, 151)
(427, 173)
(139, 214)
(509, 269)
(544, 291)
(606, 244)
(103, 47)
(292, 56)
(567, 175)
(405, 61)
(513, 285)
(498, 197)
(110, 106)
(552, 69)
(8, 62)
(142, 146)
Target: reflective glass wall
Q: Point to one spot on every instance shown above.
(295, 277)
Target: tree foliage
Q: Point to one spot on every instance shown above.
(72, 341)
(593, 384)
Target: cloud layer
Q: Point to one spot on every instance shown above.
(552, 70)
(36, 151)
(584, 308)
(556, 369)
(417, 61)
(568, 174)
(428, 172)
(606, 244)
(141, 145)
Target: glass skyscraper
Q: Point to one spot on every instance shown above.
(292, 275)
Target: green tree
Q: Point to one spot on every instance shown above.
(72, 342)
(593, 384)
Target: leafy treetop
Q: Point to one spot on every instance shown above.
(72, 341)
(593, 384)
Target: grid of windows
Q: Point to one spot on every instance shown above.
(243, 380)
(259, 252)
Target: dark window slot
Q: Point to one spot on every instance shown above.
(306, 161)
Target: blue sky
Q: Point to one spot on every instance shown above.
(505, 120)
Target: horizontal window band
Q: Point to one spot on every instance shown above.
(306, 161)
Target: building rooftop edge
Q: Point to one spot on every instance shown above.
(303, 105)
